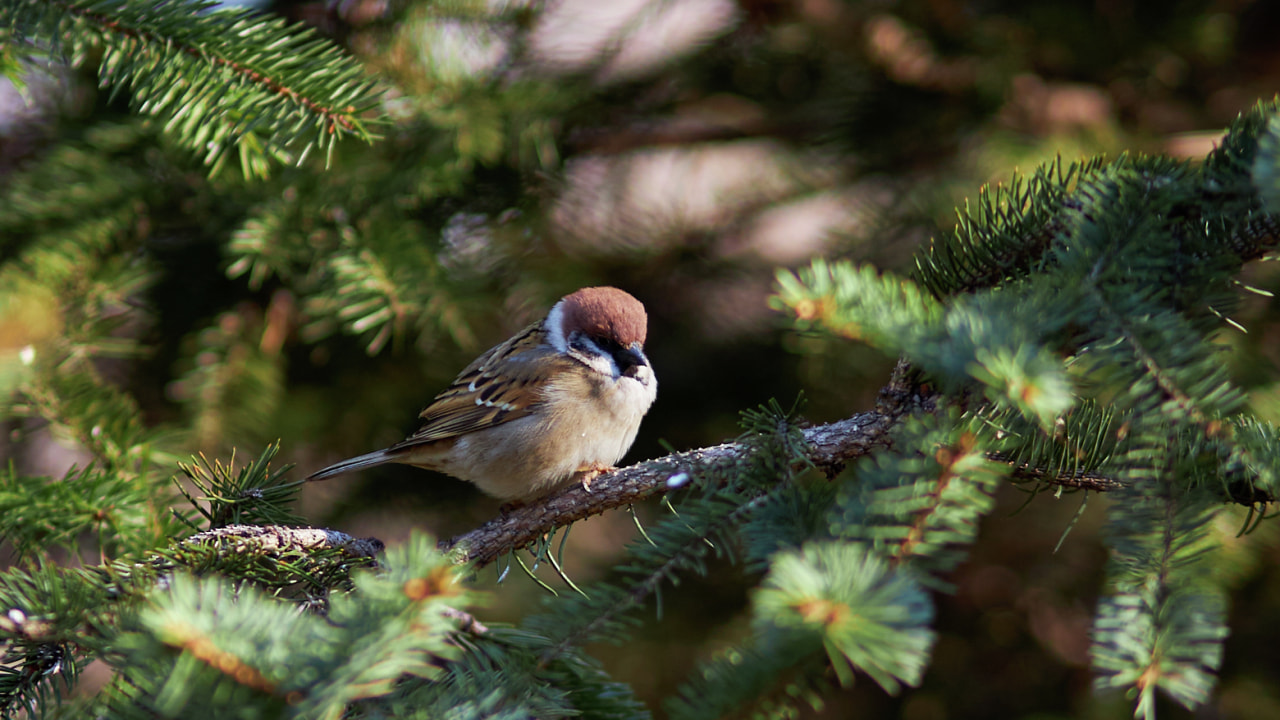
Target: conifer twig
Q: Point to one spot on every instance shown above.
(332, 116)
(278, 538)
(1257, 237)
(1075, 481)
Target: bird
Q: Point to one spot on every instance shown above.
(559, 402)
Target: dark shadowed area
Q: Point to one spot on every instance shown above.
(683, 150)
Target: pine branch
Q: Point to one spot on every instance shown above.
(783, 665)
(919, 505)
(1163, 625)
(1072, 456)
(223, 79)
(332, 116)
(251, 494)
(1005, 232)
(955, 343)
(868, 616)
(498, 675)
(211, 647)
(1010, 230)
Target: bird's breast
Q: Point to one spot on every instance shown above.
(595, 418)
(579, 422)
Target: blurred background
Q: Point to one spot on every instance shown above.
(682, 150)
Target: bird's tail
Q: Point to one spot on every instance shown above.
(359, 462)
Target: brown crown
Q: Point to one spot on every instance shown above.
(606, 312)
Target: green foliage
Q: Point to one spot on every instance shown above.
(1231, 172)
(955, 344)
(1163, 625)
(837, 599)
(256, 495)
(195, 647)
(78, 193)
(378, 289)
(68, 291)
(359, 253)
(1083, 440)
(59, 619)
(863, 612)
(793, 515)
(227, 83)
(121, 515)
(1251, 473)
(1071, 329)
(37, 670)
(1003, 234)
(83, 408)
(920, 508)
(748, 676)
(201, 648)
(571, 685)
(1086, 307)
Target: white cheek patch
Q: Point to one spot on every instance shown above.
(605, 365)
(555, 328)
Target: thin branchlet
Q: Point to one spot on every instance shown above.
(333, 117)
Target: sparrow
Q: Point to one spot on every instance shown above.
(559, 402)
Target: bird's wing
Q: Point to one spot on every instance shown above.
(501, 385)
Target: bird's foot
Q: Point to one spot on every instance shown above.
(507, 508)
(586, 474)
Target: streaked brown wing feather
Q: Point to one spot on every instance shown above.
(500, 386)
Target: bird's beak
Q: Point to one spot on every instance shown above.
(631, 359)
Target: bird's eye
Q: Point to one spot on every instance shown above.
(583, 344)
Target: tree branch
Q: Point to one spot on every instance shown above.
(1076, 481)
(831, 447)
